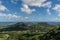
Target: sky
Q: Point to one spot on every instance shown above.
(29, 10)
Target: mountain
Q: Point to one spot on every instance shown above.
(30, 31)
(14, 27)
(43, 27)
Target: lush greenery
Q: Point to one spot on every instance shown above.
(30, 31)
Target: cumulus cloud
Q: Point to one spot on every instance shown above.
(33, 2)
(47, 4)
(2, 8)
(37, 3)
(26, 17)
(48, 12)
(9, 16)
(26, 9)
(12, 16)
(14, 1)
(57, 8)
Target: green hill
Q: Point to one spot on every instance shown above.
(53, 34)
(43, 27)
(30, 31)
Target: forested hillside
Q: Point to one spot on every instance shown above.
(52, 35)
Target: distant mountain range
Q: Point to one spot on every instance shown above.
(49, 31)
(42, 26)
(10, 23)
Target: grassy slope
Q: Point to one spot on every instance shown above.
(21, 31)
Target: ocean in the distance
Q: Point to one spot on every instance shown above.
(57, 23)
(10, 23)
(6, 23)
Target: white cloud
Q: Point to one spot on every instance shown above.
(26, 9)
(47, 4)
(12, 16)
(37, 3)
(33, 2)
(9, 16)
(2, 8)
(26, 17)
(57, 8)
(15, 13)
(48, 12)
(14, 1)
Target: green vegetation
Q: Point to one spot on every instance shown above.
(30, 31)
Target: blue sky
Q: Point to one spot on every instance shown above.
(29, 10)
